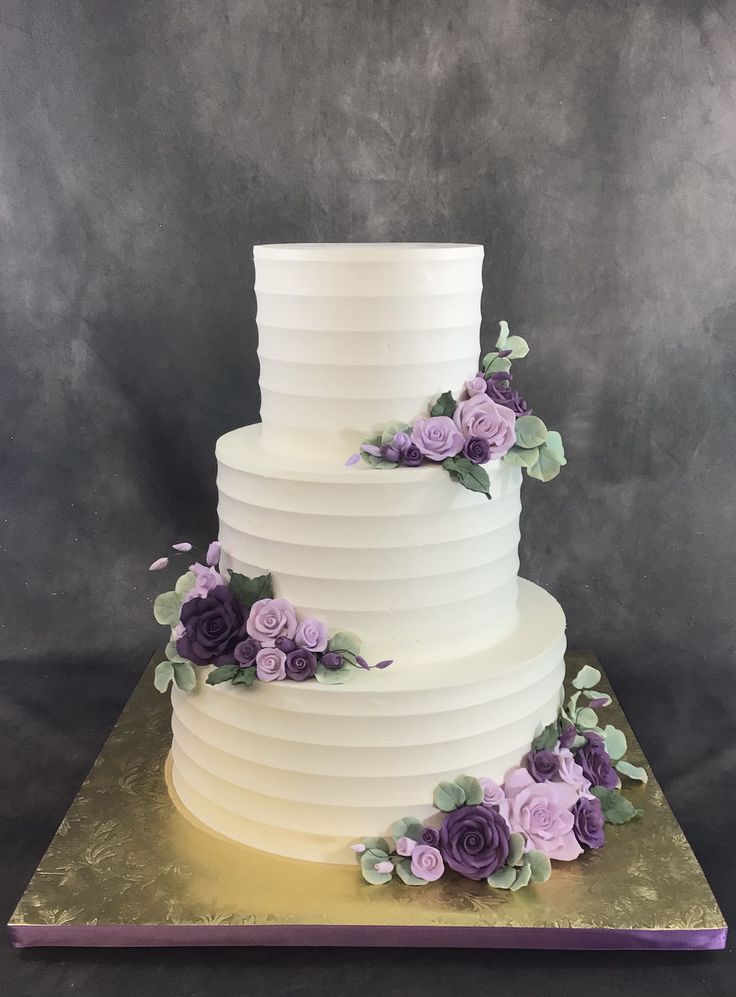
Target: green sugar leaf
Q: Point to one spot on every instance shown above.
(249, 590)
(379, 463)
(547, 739)
(519, 457)
(166, 609)
(171, 652)
(376, 845)
(471, 476)
(448, 796)
(597, 694)
(586, 719)
(503, 335)
(493, 364)
(225, 673)
(555, 449)
(502, 879)
(472, 789)
(518, 346)
(344, 640)
(587, 678)
(516, 849)
(337, 676)
(403, 870)
(391, 430)
(616, 808)
(163, 675)
(445, 405)
(185, 583)
(245, 676)
(540, 866)
(546, 467)
(184, 675)
(615, 742)
(523, 877)
(530, 431)
(407, 827)
(632, 771)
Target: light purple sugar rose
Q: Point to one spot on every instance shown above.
(494, 796)
(541, 811)
(570, 772)
(207, 579)
(426, 862)
(312, 634)
(437, 437)
(271, 618)
(479, 416)
(476, 385)
(270, 664)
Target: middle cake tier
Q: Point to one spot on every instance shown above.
(421, 569)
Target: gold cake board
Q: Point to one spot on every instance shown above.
(126, 868)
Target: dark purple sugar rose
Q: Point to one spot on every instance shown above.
(285, 644)
(245, 652)
(500, 391)
(567, 736)
(589, 821)
(474, 841)
(213, 627)
(331, 660)
(301, 664)
(477, 449)
(595, 761)
(411, 455)
(542, 765)
(431, 836)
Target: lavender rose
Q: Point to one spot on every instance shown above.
(301, 664)
(541, 812)
(426, 863)
(207, 579)
(588, 827)
(474, 841)
(475, 385)
(332, 661)
(431, 836)
(477, 450)
(213, 627)
(270, 664)
(311, 634)
(570, 772)
(245, 652)
(437, 437)
(271, 618)
(411, 455)
(479, 416)
(542, 765)
(401, 440)
(494, 796)
(595, 761)
(499, 390)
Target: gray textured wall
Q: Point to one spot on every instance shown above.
(589, 146)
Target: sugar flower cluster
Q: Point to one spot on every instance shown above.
(490, 421)
(554, 806)
(237, 626)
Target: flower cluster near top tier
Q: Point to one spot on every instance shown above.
(490, 421)
(237, 626)
(553, 806)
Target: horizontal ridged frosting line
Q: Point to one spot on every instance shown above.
(346, 347)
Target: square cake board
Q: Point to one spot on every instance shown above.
(128, 868)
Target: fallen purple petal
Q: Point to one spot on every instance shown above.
(352, 459)
(160, 564)
(182, 546)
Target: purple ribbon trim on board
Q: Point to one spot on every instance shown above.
(165, 935)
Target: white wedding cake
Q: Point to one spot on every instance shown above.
(423, 570)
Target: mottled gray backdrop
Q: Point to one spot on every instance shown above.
(590, 146)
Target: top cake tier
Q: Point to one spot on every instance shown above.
(353, 336)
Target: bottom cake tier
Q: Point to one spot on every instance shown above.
(304, 769)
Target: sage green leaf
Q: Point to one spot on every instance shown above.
(368, 861)
(548, 738)
(530, 431)
(184, 675)
(344, 640)
(471, 476)
(523, 877)
(596, 694)
(555, 449)
(250, 590)
(540, 866)
(472, 789)
(163, 675)
(497, 365)
(546, 468)
(225, 673)
(615, 742)
(337, 676)
(579, 741)
(407, 827)
(166, 609)
(445, 405)
(502, 336)
(391, 430)
(171, 652)
(632, 771)
(572, 703)
(587, 678)
(448, 796)
(519, 457)
(376, 845)
(518, 346)
(405, 874)
(502, 879)
(616, 808)
(379, 463)
(516, 849)
(185, 583)
(586, 718)
(245, 676)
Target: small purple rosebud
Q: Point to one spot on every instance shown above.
(504, 353)
(371, 449)
(285, 644)
(431, 836)
(213, 553)
(361, 661)
(384, 664)
(405, 846)
(384, 867)
(390, 453)
(160, 564)
(331, 660)
(182, 547)
(401, 440)
(411, 456)
(359, 848)
(352, 459)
